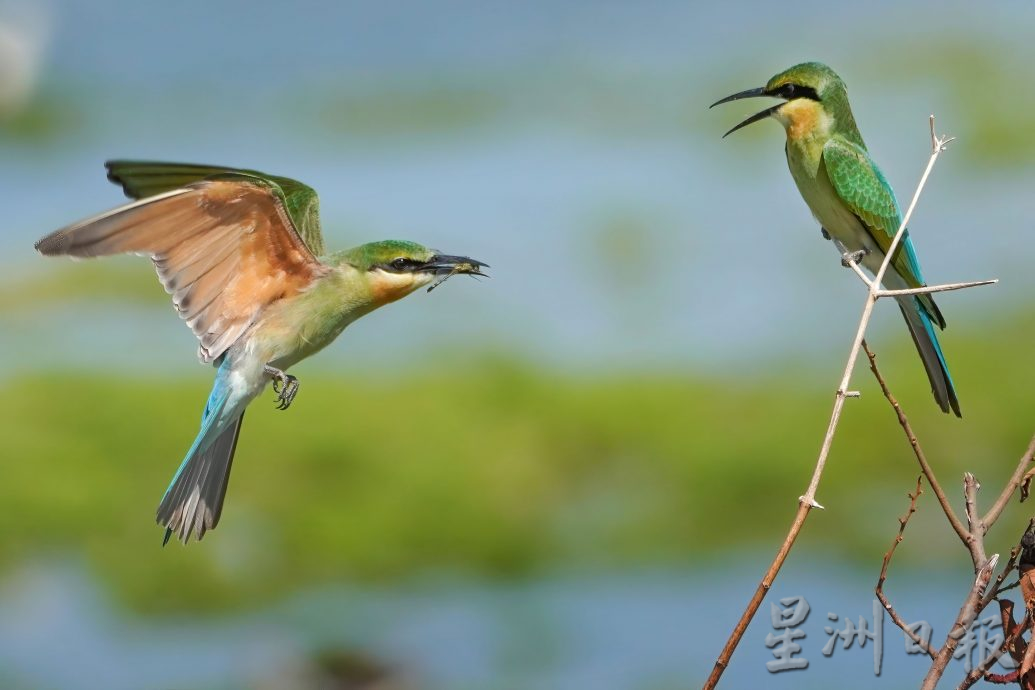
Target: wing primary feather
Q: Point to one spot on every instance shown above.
(64, 241)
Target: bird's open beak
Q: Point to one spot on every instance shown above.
(445, 267)
(750, 93)
(442, 263)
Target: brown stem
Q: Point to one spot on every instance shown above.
(895, 617)
(976, 541)
(968, 612)
(767, 581)
(925, 467)
(1015, 480)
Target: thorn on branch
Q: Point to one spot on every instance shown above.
(811, 502)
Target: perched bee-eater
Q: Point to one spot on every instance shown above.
(242, 256)
(850, 197)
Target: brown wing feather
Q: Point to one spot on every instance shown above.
(224, 250)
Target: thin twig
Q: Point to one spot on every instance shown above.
(1015, 480)
(925, 467)
(859, 272)
(808, 500)
(938, 145)
(879, 590)
(1013, 585)
(927, 289)
(849, 262)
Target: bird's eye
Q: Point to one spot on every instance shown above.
(400, 264)
(787, 90)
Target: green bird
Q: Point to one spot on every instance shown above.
(851, 199)
(241, 254)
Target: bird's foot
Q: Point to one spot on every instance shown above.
(284, 385)
(287, 395)
(823, 231)
(849, 258)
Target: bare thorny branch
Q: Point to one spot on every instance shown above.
(808, 501)
(972, 537)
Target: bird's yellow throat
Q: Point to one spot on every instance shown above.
(804, 118)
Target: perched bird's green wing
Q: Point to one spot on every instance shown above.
(142, 179)
(862, 186)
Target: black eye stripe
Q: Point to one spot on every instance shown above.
(794, 91)
(402, 263)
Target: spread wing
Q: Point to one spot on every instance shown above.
(141, 179)
(861, 185)
(225, 247)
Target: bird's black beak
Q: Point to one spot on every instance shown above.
(443, 263)
(750, 93)
(445, 267)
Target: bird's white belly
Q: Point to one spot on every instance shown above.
(247, 377)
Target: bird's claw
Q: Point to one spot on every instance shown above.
(287, 394)
(284, 385)
(849, 258)
(823, 231)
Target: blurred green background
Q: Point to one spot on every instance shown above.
(568, 476)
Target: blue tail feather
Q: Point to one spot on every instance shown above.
(193, 501)
(921, 327)
(932, 334)
(216, 400)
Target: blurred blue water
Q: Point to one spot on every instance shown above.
(621, 230)
(657, 628)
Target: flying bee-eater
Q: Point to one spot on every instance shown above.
(242, 256)
(849, 196)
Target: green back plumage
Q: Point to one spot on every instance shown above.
(141, 179)
(862, 186)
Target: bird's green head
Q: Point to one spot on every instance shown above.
(815, 102)
(395, 268)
